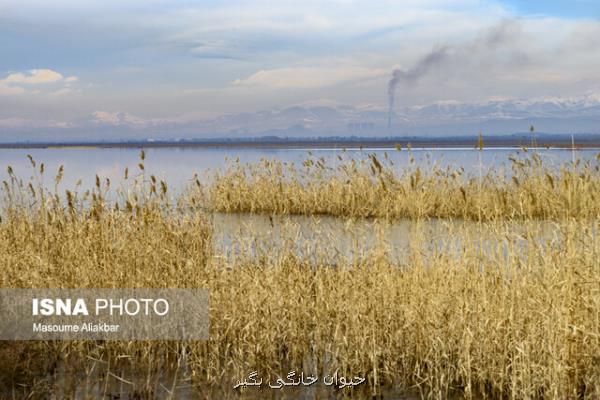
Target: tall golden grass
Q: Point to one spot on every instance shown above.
(517, 315)
(373, 188)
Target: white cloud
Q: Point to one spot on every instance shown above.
(33, 77)
(14, 82)
(120, 118)
(307, 77)
(10, 90)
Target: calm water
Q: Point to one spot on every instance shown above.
(178, 165)
(326, 240)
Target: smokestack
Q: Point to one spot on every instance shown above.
(412, 75)
(488, 41)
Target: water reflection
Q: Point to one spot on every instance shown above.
(329, 240)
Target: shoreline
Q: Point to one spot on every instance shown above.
(402, 143)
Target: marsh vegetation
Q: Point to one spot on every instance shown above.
(518, 317)
(525, 188)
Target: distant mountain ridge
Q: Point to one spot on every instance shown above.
(553, 115)
(502, 116)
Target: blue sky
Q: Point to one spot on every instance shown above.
(67, 64)
(558, 8)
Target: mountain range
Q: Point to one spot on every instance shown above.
(326, 118)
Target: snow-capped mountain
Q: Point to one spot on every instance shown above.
(496, 116)
(547, 107)
(328, 118)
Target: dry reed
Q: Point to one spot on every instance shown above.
(374, 188)
(518, 317)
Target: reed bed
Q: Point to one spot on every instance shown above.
(518, 318)
(527, 188)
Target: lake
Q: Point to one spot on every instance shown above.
(177, 166)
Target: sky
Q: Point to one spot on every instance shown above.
(106, 69)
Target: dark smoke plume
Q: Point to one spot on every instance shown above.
(413, 74)
(489, 41)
